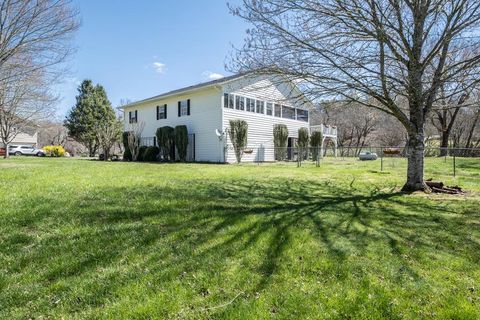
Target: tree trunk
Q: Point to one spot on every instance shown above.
(444, 143)
(6, 156)
(416, 153)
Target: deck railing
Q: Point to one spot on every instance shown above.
(327, 131)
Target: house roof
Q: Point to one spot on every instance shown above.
(187, 89)
(204, 85)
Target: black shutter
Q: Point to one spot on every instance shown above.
(129, 116)
(165, 110)
(188, 107)
(158, 109)
(179, 107)
(154, 141)
(136, 116)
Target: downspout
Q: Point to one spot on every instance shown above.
(221, 142)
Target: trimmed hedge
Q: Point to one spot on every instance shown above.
(165, 140)
(151, 154)
(127, 155)
(181, 141)
(280, 141)
(141, 153)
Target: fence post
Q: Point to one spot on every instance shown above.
(454, 166)
(381, 159)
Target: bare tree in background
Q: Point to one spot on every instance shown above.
(134, 136)
(108, 134)
(452, 97)
(37, 32)
(52, 134)
(34, 43)
(23, 102)
(384, 54)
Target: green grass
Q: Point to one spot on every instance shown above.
(87, 239)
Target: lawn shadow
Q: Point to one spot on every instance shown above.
(179, 229)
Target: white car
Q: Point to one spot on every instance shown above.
(26, 151)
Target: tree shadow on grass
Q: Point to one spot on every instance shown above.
(193, 226)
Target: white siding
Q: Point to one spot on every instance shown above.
(260, 133)
(205, 116)
(260, 126)
(261, 87)
(23, 138)
(208, 114)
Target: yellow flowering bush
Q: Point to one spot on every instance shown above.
(54, 151)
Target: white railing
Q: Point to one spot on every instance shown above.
(327, 131)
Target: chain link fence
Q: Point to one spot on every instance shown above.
(454, 161)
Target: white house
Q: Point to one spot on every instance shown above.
(24, 139)
(206, 109)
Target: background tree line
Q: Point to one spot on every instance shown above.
(359, 126)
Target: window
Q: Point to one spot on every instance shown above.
(288, 112)
(269, 108)
(278, 110)
(162, 112)
(132, 116)
(302, 115)
(250, 105)
(228, 100)
(260, 106)
(184, 108)
(239, 103)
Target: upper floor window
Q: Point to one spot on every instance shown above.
(239, 103)
(184, 108)
(133, 116)
(269, 109)
(302, 115)
(250, 105)
(228, 100)
(278, 110)
(162, 112)
(288, 112)
(260, 106)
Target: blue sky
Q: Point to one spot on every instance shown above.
(137, 49)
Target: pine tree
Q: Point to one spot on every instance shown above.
(92, 110)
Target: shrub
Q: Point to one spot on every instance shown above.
(165, 139)
(238, 136)
(125, 139)
(280, 139)
(181, 141)
(54, 151)
(127, 155)
(316, 144)
(302, 143)
(141, 153)
(151, 154)
(303, 137)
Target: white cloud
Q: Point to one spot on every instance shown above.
(158, 66)
(212, 75)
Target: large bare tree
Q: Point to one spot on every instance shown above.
(23, 102)
(34, 44)
(36, 34)
(386, 54)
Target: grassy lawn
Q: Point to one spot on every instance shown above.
(87, 239)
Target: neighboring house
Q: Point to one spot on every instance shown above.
(207, 108)
(27, 138)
